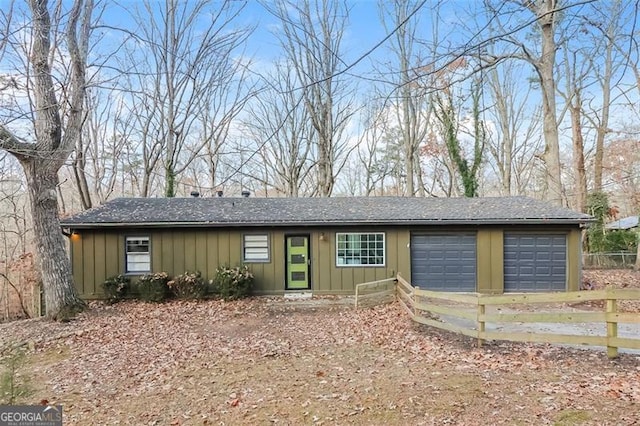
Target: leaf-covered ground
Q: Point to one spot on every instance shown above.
(599, 279)
(264, 361)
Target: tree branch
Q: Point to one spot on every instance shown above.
(13, 286)
(12, 144)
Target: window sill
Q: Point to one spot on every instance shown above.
(361, 266)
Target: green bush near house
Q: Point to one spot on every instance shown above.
(154, 287)
(598, 207)
(189, 285)
(116, 288)
(620, 240)
(233, 283)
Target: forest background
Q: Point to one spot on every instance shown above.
(314, 98)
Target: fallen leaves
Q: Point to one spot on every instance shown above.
(263, 360)
(598, 279)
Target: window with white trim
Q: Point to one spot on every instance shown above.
(138, 254)
(255, 248)
(360, 249)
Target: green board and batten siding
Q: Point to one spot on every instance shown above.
(99, 254)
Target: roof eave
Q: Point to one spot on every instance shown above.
(453, 222)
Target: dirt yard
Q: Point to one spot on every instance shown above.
(265, 361)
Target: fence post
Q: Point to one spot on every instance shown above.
(395, 290)
(480, 320)
(356, 302)
(412, 296)
(612, 326)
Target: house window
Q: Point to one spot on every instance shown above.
(355, 249)
(138, 254)
(255, 248)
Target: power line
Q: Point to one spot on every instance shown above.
(344, 70)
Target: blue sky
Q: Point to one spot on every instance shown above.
(364, 28)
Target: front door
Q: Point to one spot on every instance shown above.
(298, 262)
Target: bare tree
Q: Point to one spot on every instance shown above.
(542, 57)
(369, 150)
(14, 243)
(448, 114)
(97, 161)
(411, 103)
(312, 32)
(544, 64)
(576, 69)
(278, 123)
(57, 122)
(514, 127)
(183, 74)
(606, 25)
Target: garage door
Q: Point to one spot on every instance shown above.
(535, 262)
(444, 262)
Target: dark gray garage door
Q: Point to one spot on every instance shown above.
(444, 262)
(535, 262)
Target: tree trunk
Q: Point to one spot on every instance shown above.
(578, 154)
(551, 155)
(602, 128)
(79, 173)
(55, 138)
(61, 299)
(503, 151)
(312, 32)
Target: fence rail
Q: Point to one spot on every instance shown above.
(469, 315)
(380, 288)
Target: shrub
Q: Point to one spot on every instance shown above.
(153, 287)
(116, 288)
(597, 206)
(620, 240)
(189, 285)
(233, 283)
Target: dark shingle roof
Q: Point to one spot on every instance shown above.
(229, 211)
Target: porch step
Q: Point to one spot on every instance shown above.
(298, 295)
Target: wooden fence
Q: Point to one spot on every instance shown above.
(469, 314)
(375, 289)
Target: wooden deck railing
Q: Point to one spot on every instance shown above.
(471, 312)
